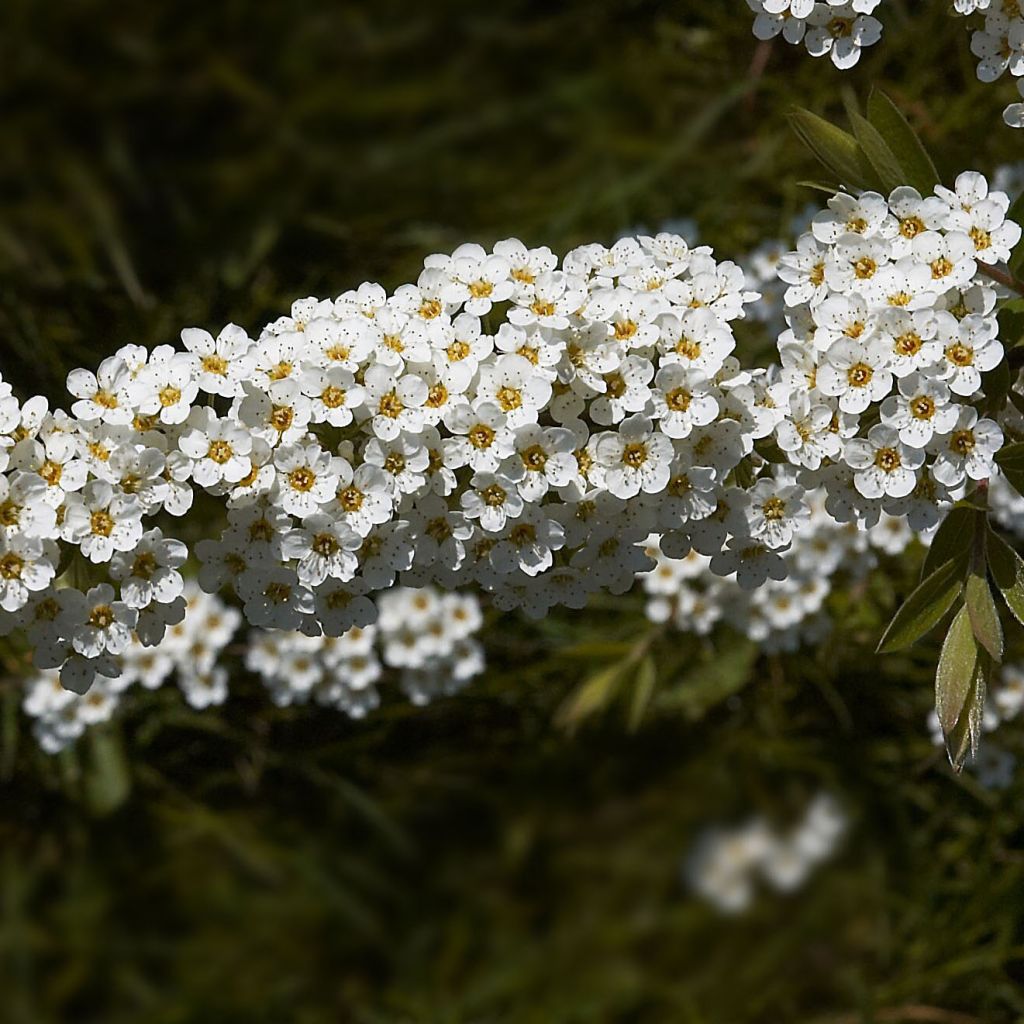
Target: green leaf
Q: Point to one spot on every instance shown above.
(1016, 214)
(925, 607)
(953, 539)
(107, 781)
(962, 740)
(836, 149)
(592, 695)
(916, 165)
(709, 683)
(1010, 459)
(879, 155)
(996, 385)
(643, 689)
(1011, 323)
(1007, 569)
(1011, 456)
(984, 616)
(818, 186)
(955, 671)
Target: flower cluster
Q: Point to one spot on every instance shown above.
(999, 46)
(891, 325)
(727, 863)
(838, 29)
(429, 638)
(781, 615)
(190, 652)
(512, 423)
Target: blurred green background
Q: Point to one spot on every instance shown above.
(192, 163)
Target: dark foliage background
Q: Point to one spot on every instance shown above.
(171, 164)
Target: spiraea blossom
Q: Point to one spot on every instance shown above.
(598, 414)
(841, 29)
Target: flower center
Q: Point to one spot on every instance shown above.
(101, 522)
(534, 458)
(102, 616)
(333, 397)
(859, 375)
(864, 267)
(962, 442)
(922, 407)
(911, 227)
(625, 329)
(217, 365)
(494, 496)
(169, 396)
(481, 436)
(351, 499)
(11, 565)
(51, 472)
(301, 479)
(908, 344)
(634, 455)
(390, 406)
(959, 354)
(509, 398)
(220, 451)
(887, 459)
(981, 238)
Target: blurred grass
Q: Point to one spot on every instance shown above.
(192, 163)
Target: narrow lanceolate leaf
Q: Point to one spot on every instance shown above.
(962, 740)
(836, 149)
(592, 695)
(879, 155)
(1007, 568)
(953, 539)
(915, 163)
(955, 673)
(925, 607)
(643, 690)
(984, 616)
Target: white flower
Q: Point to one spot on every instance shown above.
(841, 32)
(682, 400)
(104, 395)
(223, 362)
(96, 623)
(856, 373)
(884, 464)
(149, 571)
(776, 508)
(968, 448)
(542, 458)
(104, 521)
(167, 386)
(218, 448)
(27, 566)
(920, 410)
(636, 457)
(323, 548)
(492, 499)
(307, 477)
